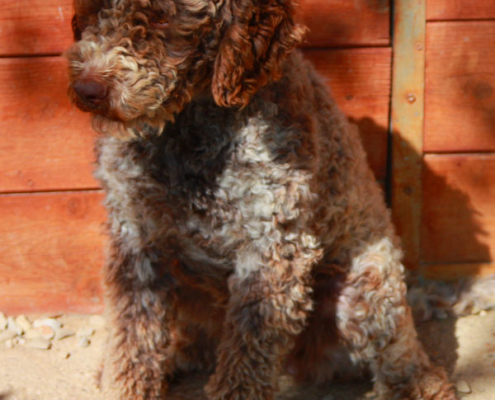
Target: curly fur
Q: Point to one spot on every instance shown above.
(248, 235)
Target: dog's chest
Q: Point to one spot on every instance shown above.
(237, 207)
(219, 184)
(231, 203)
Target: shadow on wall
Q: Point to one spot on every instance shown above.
(372, 132)
(451, 202)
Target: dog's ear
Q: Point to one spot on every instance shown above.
(85, 14)
(258, 36)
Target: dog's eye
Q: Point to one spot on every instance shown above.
(159, 21)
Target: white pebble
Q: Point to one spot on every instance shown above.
(32, 334)
(63, 333)
(97, 321)
(3, 321)
(40, 343)
(52, 323)
(9, 344)
(18, 340)
(12, 326)
(463, 387)
(85, 331)
(46, 332)
(7, 335)
(23, 322)
(482, 313)
(83, 342)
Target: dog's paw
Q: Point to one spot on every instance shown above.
(434, 385)
(431, 384)
(128, 384)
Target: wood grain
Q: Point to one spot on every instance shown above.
(460, 9)
(458, 212)
(35, 26)
(454, 272)
(360, 81)
(344, 22)
(43, 26)
(460, 81)
(51, 252)
(407, 124)
(46, 144)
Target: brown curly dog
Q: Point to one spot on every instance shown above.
(248, 235)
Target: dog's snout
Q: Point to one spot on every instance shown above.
(91, 91)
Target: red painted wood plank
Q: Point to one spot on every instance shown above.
(344, 22)
(460, 82)
(460, 9)
(458, 212)
(35, 26)
(360, 81)
(45, 142)
(51, 252)
(454, 272)
(43, 26)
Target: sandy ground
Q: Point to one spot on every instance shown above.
(465, 346)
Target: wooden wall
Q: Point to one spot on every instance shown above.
(51, 218)
(448, 214)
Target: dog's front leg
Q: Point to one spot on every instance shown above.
(140, 306)
(269, 302)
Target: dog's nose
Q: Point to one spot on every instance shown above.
(92, 92)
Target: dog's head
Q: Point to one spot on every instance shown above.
(138, 62)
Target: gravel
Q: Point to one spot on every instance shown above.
(40, 343)
(23, 322)
(18, 332)
(63, 333)
(12, 326)
(85, 331)
(7, 335)
(64, 370)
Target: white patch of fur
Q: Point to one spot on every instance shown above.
(262, 193)
(247, 262)
(381, 255)
(122, 224)
(373, 300)
(259, 199)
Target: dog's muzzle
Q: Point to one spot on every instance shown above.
(91, 93)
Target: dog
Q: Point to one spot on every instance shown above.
(248, 235)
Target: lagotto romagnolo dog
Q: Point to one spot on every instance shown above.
(248, 235)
